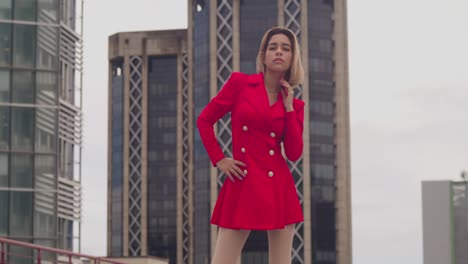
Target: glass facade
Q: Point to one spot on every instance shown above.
(162, 157)
(29, 118)
(255, 18)
(201, 162)
(322, 131)
(117, 156)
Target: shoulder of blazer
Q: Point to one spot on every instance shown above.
(250, 79)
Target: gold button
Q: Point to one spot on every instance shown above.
(245, 128)
(270, 173)
(245, 172)
(272, 152)
(243, 150)
(272, 134)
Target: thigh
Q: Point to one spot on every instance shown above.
(229, 245)
(280, 245)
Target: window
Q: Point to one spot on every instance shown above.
(46, 88)
(5, 44)
(322, 107)
(4, 128)
(21, 171)
(321, 128)
(22, 125)
(322, 171)
(3, 171)
(4, 201)
(321, 65)
(23, 87)
(48, 10)
(44, 224)
(5, 9)
(24, 45)
(46, 130)
(45, 171)
(4, 86)
(47, 47)
(25, 10)
(21, 214)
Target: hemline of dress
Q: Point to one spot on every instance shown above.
(257, 228)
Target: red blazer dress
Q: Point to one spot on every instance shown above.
(266, 198)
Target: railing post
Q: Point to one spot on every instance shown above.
(70, 259)
(38, 256)
(2, 254)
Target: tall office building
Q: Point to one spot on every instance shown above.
(40, 122)
(224, 36)
(149, 128)
(445, 222)
(162, 187)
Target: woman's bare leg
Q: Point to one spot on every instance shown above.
(229, 245)
(280, 245)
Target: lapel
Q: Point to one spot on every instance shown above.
(257, 98)
(256, 94)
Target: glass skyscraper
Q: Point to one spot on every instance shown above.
(149, 145)
(40, 121)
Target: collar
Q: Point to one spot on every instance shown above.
(255, 78)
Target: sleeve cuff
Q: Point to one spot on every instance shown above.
(217, 158)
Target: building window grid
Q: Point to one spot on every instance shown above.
(162, 157)
(292, 13)
(321, 79)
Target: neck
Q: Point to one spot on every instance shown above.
(272, 79)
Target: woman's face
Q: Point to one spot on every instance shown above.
(278, 54)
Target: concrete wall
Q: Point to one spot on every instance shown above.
(437, 223)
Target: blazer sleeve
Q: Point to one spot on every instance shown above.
(294, 125)
(221, 104)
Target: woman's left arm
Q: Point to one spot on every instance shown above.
(294, 125)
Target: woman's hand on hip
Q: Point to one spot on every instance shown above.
(288, 94)
(231, 168)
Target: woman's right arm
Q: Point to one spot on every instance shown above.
(221, 104)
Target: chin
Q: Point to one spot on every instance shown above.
(281, 70)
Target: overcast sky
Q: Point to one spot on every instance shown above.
(408, 105)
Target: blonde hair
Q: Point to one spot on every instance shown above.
(295, 74)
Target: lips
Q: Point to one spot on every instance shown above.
(278, 60)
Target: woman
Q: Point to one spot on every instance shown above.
(259, 191)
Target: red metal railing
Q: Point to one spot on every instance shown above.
(38, 254)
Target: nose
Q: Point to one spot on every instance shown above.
(279, 50)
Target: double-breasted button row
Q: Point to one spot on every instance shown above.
(271, 151)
